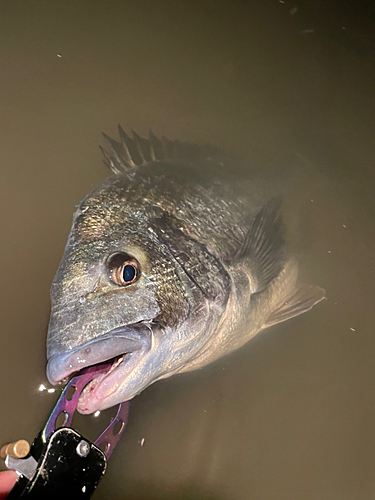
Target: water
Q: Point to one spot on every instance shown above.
(291, 415)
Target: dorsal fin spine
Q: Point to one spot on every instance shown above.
(151, 139)
(138, 145)
(124, 141)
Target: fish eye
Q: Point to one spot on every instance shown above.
(123, 269)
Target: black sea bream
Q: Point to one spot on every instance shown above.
(166, 269)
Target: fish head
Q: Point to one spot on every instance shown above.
(122, 292)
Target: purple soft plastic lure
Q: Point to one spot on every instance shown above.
(109, 438)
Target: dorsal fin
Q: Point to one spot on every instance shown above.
(143, 147)
(156, 149)
(136, 151)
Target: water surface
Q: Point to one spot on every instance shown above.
(288, 88)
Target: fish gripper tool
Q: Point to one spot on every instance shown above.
(61, 463)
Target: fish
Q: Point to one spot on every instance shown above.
(167, 268)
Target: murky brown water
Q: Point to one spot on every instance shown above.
(288, 87)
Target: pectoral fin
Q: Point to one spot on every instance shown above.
(301, 300)
(263, 245)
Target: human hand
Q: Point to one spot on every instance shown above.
(7, 481)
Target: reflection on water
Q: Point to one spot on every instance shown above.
(288, 87)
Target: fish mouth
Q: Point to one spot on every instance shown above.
(124, 346)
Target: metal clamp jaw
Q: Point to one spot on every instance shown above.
(61, 461)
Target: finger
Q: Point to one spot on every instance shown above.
(7, 481)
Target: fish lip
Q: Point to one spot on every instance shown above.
(120, 340)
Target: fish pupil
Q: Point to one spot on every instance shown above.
(128, 273)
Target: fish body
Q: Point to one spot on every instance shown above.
(166, 270)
